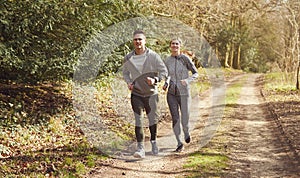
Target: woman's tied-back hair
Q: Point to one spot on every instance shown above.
(188, 53)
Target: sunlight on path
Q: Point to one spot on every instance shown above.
(256, 150)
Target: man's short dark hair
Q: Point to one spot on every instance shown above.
(138, 32)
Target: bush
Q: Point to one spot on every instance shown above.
(41, 41)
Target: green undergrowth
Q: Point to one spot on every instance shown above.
(280, 90)
(57, 149)
(211, 160)
(39, 131)
(206, 163)
(280, 82)
(60, 156)
(201, 84)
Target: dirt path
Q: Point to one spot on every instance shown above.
(256, 146)
(258, 149)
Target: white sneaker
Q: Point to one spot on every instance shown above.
(140, 153)
(154, 147)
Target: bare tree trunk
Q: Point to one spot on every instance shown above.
(231, 53)
(227, 55)
(297, 75)
(295, 51)
(232, 42)
(238, 60)
(297, 55)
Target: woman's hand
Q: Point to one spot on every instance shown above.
(183, 82)
(165, 86)
(130, 86)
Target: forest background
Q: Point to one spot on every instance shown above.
(41, 42)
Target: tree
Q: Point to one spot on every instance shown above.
(293, 18)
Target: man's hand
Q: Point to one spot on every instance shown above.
(150, 81)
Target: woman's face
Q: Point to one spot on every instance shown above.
(175, 46)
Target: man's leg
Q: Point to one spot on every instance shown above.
(137, 106)
(151, 111)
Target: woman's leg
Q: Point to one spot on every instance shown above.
(185, 116)
(174, 110)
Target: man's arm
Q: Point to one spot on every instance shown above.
(126, 74)
(162, 69)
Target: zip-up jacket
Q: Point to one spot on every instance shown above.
(179, 67)
(153, 67)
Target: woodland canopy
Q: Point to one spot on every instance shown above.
(42, 40)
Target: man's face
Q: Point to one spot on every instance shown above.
(139, 41)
